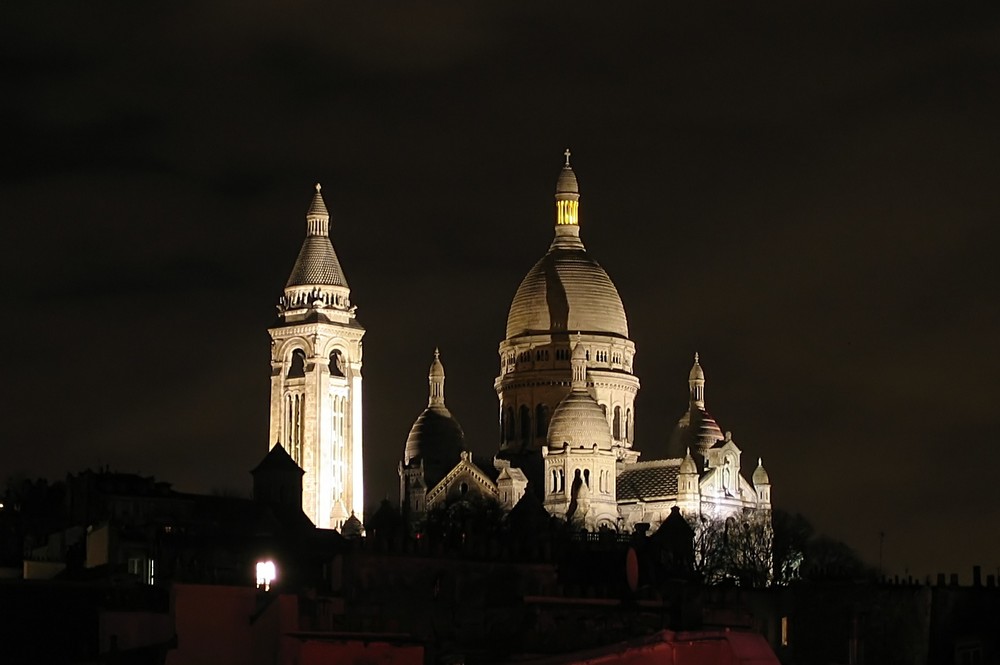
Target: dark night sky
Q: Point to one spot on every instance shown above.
(808, 196)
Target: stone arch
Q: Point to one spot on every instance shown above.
(508, 425)
(524, 420)
(541, 420)
(338, 363)
(296, 364)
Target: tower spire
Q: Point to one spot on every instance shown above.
(435, 380)
(579, 362)
(696, 383)
(567, 196)
(318, 217)
(317, 264)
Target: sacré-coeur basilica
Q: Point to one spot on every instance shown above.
(566, 390)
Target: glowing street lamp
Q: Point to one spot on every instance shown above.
(266, 574)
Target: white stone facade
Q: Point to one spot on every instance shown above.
(316, 381)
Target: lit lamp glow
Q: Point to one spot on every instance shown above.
(266, 574)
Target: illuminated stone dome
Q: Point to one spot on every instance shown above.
(567, 290)
(696, 430)
(760, 475)
(579, 421)
(436, 439)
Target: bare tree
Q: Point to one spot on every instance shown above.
(735, 550)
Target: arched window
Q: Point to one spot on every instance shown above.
(562, 480)
(628, 425)
(509, 425)
(616, 425)
(525, 414)
(297, 368)
(541, 420)
(337, 363)
(586, 476)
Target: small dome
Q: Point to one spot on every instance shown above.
(708, 431)
(760, 475)
(578, 422)
(696, 430)
(437, 368)
(437, 440)
(567, 184)
(352, 527)
(697, 373)
(688, 465)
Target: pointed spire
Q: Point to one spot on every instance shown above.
(688, 465)
(567, 196)
(317, 263)
(318, 217)
(696, 383)
(579, 363)
(435, 380)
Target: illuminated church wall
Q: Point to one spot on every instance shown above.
(316, 381)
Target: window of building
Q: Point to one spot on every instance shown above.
(541, 420)
(337, 364)
(297, 366)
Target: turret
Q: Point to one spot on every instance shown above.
(762, 484)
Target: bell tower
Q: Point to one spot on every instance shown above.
(316, 378)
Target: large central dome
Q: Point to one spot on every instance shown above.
(567, 291)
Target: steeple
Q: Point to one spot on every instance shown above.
(579, 363)
(567, 196)
(317, 263)
(316, 381)
(696, 383)
(435, 379)
(318, 218)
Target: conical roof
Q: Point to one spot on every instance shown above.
(317, 263)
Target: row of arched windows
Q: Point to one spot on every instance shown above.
(509, 361)
(557, 480)
(521, 428)
(621, 426)
(297, 366)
